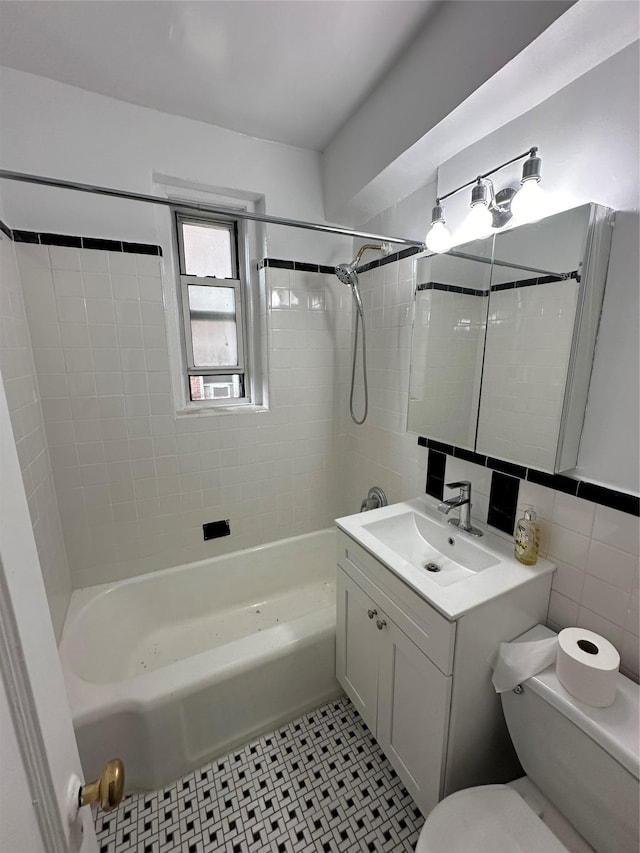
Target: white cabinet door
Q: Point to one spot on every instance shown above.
(413, 712)
(357, 648)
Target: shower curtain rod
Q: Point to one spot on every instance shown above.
(202, 208)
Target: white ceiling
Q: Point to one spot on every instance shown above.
(290, 71)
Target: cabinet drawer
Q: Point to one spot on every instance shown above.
(428, 629)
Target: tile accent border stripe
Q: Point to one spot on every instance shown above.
(622, 501)
(304, 266)
(44, 239)
(451, 288)
(300, 266)
(505, 285)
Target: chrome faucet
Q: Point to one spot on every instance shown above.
(463, 502)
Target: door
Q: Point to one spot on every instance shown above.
(41, 769)
(357, 644)
(413, 713)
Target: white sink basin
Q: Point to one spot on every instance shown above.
(446, 556)
(407, 537)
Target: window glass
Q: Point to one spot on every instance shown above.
(214, 331)
(207, 250)
(218, 387)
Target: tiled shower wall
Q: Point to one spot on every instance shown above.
(380, 452)
(135, 483)
(21, 388)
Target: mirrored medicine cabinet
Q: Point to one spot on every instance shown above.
(504, 337)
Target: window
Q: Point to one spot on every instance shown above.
(212, 291)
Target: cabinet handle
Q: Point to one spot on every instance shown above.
(372, 613)
(381, 623)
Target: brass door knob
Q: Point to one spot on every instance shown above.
(107, 790)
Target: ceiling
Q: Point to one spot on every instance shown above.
(290, 71)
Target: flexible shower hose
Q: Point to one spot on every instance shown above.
(359, 317)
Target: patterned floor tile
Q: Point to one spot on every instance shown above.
(321, 783)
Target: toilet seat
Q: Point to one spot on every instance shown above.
(486, 819)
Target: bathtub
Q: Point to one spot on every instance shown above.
(171, 669)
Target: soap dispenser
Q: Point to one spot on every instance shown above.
(527, 538)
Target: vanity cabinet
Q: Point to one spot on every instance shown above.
(421, 682)
(400, 694)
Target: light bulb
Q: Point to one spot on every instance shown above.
(479, 222)
(438, 239)
(529, 202)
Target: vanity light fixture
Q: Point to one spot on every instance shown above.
(490, 209)
(438, 239)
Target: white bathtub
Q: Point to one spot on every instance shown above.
(171, 669)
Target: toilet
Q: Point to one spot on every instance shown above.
(581, 784)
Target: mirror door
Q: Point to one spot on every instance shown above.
(450, 317)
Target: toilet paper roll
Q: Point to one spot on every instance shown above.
(587, 666)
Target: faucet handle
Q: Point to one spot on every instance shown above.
(462, 484)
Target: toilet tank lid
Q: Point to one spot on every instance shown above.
(615, 729)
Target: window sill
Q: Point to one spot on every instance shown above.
(206, 411)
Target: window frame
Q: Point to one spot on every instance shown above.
(239, 284)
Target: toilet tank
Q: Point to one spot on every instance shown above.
(584, 759)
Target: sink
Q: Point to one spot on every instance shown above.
(452, 570)
(426, 545)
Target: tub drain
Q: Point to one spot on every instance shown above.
(432, 567)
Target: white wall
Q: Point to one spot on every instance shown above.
(64, 132)
(588, 139)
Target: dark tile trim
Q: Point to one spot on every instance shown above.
(622, 501)
(440, 445)
(503, 502)
(506, 285)
(451, 288)
(61, 240)
(141, 249)
(518, 471)
(609, 497)
(277, 263)
(326, 269)
(390, 259)
(44, 239)
(300, 266)
(26, 237)
(97, 243)
(553, 481)
(6, 230)
(532, 282)
(470, 456)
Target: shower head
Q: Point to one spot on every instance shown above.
(347, 272)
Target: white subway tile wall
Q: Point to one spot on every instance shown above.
(21, 388)
(134, 482)
(380, 452)
(596, 551)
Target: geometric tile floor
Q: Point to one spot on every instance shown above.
(320, 783)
